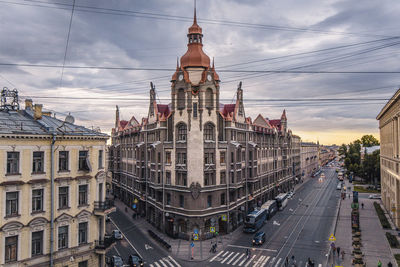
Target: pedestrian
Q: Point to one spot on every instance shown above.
(379, 263)
(338, 251)
(343, 254)
(362, 205)
(334, 250)
(390, 264)
(287, 261)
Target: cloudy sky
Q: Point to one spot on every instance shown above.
(258, 35)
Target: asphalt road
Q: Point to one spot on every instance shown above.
(301, 230)
(135, 241)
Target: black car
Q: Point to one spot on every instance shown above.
(135, 261)
(259, 238)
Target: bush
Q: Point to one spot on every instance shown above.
(393, 242)
(397, 257)
(362, 189)
(381, 215)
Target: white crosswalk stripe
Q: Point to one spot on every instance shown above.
(241, 263)
(158, 265)
(174, 261)
(259, 260)
(277, 263)
(320, 265)
(234, 257)
(151, 265)
(216, 256)
(252, 258)
(227, 257)
(162, 262)
(265, 261)
(237, 260)
(165, 262)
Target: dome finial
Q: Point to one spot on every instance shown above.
(194, 17)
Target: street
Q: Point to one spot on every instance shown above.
(301, 230)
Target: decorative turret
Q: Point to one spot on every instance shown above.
(284, 121)
(116, 118)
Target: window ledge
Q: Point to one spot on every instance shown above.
(64, 171)
(12, 216)
(37, 173)
(37, 212)
(83, 205)
(13, 174)
(64, 208)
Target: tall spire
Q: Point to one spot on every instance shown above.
(194, 17)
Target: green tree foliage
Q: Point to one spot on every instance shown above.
(369, 140)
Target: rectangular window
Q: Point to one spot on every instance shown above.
(159, 157)
(12, 162)
(223, 177)
(83, 233)
(168, 177)
(223, 199)
(11, 249)
(181, 201)
(194, 110)
(37, 243)
(63, 160)
(209, 201)
(168, 199)
(38, 161)
(63, 237)
(83, 264)
(37, 200)
(12, 203)
(83, 161)
(101, 159)
(63, 197)
(83, 195)
(168, 157)
(222, 157)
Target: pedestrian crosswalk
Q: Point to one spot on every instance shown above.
(242, 260)
(165, 262)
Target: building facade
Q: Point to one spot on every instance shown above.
(325, 155)
(389, 154)
(197, 163)
(296, 155)
(52, 187)
(309, 158)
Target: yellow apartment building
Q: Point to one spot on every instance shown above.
(52, 190)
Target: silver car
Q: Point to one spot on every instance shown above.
(117, 234)
(374, 196)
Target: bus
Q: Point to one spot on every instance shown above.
(281, 200)
(271, 208)
(254, 220)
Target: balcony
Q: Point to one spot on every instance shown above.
(102, 208)
(101, 246)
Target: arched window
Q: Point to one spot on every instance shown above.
(209, 132)
(182, 132)
(209, 98)
(181, 98)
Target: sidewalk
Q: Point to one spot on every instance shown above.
(374, 243)
(181, 249)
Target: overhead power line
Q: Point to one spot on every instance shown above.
(171, 69)
(160, 16)
(66, 46)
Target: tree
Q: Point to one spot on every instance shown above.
(371, 167)
(369, 140)
(343, 150)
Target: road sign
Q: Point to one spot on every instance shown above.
(223, 218)
(212, 229)
(196, 231)
(332, 238)
(147, 247)
(134, 206)
(196, 237)
(192, 244)
(135, 201)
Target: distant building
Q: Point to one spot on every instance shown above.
(296, 155)
(52, 175)
(390, 156)
(325, 155)
(196, 163)
(309, 158)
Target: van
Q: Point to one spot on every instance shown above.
(271, 206)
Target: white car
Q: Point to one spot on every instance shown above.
(117, 234)
(374, 196)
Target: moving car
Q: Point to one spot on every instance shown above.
(259, 238)
(374, 196)
(117, 234)
(135, 261)
(116, 261)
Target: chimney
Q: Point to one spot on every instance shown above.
(38, 112)
(28, 103)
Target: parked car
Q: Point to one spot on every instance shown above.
(135, 261)
(339, 186)
(116, 234)
(107, 218)
(116, 261)
(374, 196)
(259, 238)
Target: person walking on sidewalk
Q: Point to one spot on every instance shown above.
(343, 254)
(390, 264)
(379, 263)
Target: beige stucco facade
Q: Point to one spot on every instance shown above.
(26, 203)
(389, 155)
(308, 158)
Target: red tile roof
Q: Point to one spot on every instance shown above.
(227, 109)
(163, 109)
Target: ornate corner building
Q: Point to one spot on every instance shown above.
(52, 189)
(196, 164)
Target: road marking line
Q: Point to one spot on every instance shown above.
(158, 265)
(216, 256)
(236, 261)
(265, 261)
(259, 260)
(119, 254)
(272, 261)
(237, 254)
(241, 263)
(174, 261)
(167, 261)
(227, 257)
(320, 265)
(225, 253)
(126, 238)
(151, 265)
(277, 263)
(266, 249)
(162, 262)
(252, 258)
